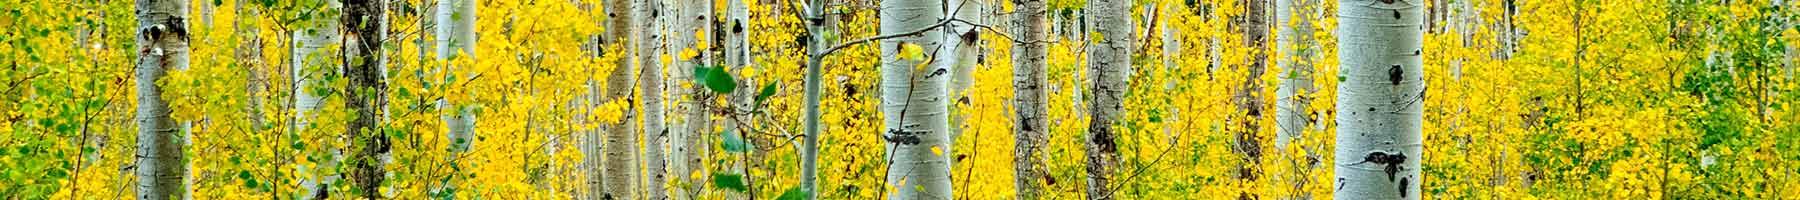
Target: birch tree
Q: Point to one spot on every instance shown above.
(621, 164)
(1109, 58)
(913, 103)
(309, 63)
(1249, 98)
(362, 54)
(455, 33)
(688, 150)
(162, 42)
(1382, 95)
(650, 83)
(1030, 131)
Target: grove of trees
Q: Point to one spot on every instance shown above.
(899, 99)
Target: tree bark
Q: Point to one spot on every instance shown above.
(809, 154)
(913, 102)
(1109, 59)
(1030, 134)
(1381, 98)
(455, 38)
(162, 40)
(1249, 98)
(620, 165)
(737, 57)
(362, 53)
(690, 21)
(1294, 44)
(650, 82)
(309, 63)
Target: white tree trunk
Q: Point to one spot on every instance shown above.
(1295, 46)
(737, 56)
(621, 163)
(688, 148)
(913, 102)
(1030, 131)
(967, 51)
(651, 84)
(809, 153)
(1108, 59)
(162, 40)
(455, 39)
(1380, 100)
(455, 33)
(309, 63)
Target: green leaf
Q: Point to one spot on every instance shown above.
(768, 90)
(733, 142)
(57, 173)
(793, 193)
(730, 181)
(720, 81)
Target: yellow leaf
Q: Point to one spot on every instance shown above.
(911, 51)
(935, 150)
(689, 54)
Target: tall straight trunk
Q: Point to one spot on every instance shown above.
(162, 43)
(1382, 95)
(620, 142)
(1030, 134)
(815, 53)
(1294, 46)
(913, 102)
(650, 82)
(1249, 98)
(249, 53)
(967, 54)
(689, 23)
(455, 38)
(1108, 59)
(307, 64)
(737, 56)
(362, 54)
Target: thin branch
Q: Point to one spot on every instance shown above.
(921, 30)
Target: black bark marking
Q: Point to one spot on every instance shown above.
(1396, 14)
(1403, 187)
(737, 26)
(1392, 162)
(1394, 74)
(898, 136)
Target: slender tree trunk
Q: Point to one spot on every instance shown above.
(968, 53)
(913, 101)
(1382, 93)
(308, 64)
(689, 150)
(162, 40)
(1030, 134)
(249, 52)
(362, 53)
(815, 47)
(1249, 98)
(1109, 59)
(455, 38)
(1294, 45)
(650, 82)
(737, 56)
(620, 141)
